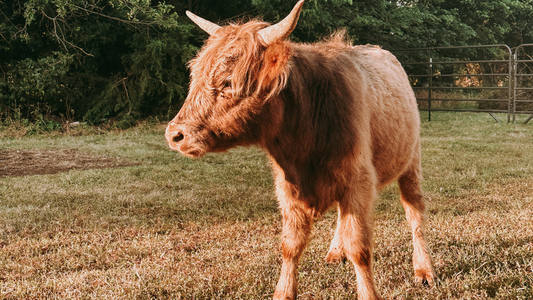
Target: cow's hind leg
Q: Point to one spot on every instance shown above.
(415, 211)
(297, 224)
(355, 234)
(335, 253)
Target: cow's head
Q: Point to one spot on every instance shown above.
(233, 79)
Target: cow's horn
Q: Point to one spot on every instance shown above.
(206, 26)
(283, 29)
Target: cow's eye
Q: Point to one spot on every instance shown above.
(226, 89)
(227, 84)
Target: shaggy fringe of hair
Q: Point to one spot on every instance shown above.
(235, 57)
(339, 39)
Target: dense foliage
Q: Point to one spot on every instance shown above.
(97, 60)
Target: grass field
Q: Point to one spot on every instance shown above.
(175, 228)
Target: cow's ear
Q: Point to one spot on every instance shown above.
(275, 65)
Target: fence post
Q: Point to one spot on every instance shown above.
(512, 84)
(430, 74)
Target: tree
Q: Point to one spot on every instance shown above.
(495, 22)
(126, 59)
(93, 59)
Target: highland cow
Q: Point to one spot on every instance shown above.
(338, 122)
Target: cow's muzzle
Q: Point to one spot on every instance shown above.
(180, 139)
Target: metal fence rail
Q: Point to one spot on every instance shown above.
(432, 77)
(523, 72)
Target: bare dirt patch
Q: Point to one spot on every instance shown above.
(52, 161)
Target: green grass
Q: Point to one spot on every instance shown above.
(175, 228)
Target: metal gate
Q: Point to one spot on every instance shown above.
(523, 82)
(499, 81)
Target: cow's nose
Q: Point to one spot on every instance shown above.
(174, 135)
(178, 137)
(174, 138)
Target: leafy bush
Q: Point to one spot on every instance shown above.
(90, 60)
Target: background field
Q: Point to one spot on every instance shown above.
(175, 228)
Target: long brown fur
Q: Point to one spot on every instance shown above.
(338, 121)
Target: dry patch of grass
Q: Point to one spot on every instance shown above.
(140, 262)
(40, 162)
(174, 228)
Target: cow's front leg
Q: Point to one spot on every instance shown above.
(297, 223)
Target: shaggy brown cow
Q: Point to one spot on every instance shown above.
(338, 121)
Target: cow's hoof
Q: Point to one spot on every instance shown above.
(426, 278)
(335, 257)
(281, 296)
